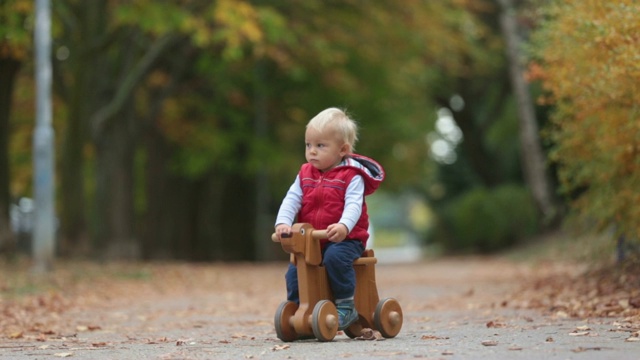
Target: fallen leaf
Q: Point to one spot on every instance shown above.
(66, 354)
(447, 352)
(495, 324)
(280, 347)
(579, 333)
(549, 339)
(16, 335)
(370, 334)
(514, 348)
(583, 328)
(581, 349)
(632, 339)
(433, 337)
(157, 341)
(489, 343)
(562, 314)
(99, 344)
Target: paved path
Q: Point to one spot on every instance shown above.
(453, 309)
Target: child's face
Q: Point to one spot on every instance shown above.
(324, 150)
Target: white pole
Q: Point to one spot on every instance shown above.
(43, 172)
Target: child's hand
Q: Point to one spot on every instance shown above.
(337, 232)
(282, 229)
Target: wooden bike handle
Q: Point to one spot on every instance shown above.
(316, 234)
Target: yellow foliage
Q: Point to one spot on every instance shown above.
(15, 28)
(239, 23)
(589, 53)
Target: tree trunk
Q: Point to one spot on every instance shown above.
(263, 223)
(73, 237)
(533, 157)
(85, 62)
(114, 128)
(165, 219)
(208, 226)
(154, 232)
(167, 231)
(231, 230)
(114, 192)
(8, 70)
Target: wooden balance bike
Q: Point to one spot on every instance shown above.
(316, 316)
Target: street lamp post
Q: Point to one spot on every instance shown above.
(43, 150)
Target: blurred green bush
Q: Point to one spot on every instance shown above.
(485, 220)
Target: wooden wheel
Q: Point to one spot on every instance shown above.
(388, 317)
(282, 321)
(324, 320)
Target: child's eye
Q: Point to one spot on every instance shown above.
(308, 145)
(320, 145)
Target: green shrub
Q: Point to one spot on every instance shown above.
(486, 220)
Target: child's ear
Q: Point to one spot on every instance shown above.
(345, 150)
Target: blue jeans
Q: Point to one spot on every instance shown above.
(337, 259)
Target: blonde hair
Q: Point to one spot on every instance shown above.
(338, 121)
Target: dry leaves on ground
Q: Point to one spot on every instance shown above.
(32, 308)
(607, 292)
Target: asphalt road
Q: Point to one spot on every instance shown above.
(453, 309)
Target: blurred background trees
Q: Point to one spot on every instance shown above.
(15, 42)
(179, 123)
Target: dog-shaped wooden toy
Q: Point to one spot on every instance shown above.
(316, 315)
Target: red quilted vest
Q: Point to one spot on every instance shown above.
(323, 194)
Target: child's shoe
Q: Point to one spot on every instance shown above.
(347, 314)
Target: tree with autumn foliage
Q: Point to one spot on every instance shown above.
(588, 61)
(15, 49)
(176, 120)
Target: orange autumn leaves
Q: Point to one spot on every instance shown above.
(588, 61)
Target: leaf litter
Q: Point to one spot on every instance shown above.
(572, 292)
(103, 292)
(608, 292)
